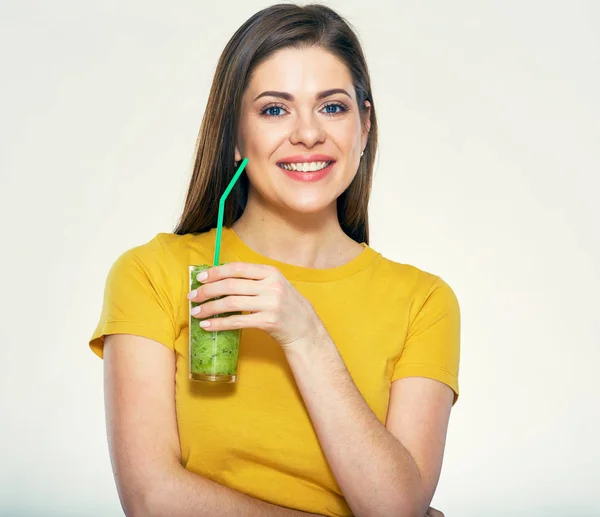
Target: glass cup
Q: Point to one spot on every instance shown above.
(213, 356)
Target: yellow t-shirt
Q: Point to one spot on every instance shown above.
(388, 320)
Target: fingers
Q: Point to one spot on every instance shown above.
(238, 270)
(228, 304)
(237, 321)
(239, 286)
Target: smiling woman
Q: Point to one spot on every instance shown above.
(292, 82)
(348, 361)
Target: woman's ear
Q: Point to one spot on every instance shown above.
(367, 127)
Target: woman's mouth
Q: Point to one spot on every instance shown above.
(305, 166)
(307, 171)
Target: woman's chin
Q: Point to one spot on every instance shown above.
(306, 204)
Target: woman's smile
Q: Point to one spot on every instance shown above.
(314, 171)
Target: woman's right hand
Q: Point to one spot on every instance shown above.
(432, 512)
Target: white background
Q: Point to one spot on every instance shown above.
(487, 175)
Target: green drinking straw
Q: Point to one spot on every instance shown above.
(222, 209)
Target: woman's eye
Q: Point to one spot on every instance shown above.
(342, 108)
(268, 111)
(272, 108)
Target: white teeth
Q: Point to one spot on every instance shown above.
(304, 167)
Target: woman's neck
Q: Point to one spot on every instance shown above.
(321, 245)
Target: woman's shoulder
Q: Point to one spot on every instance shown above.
(412, 278)
(406, 272)
(170, 243)
(165, 250)
(160, 263)
(188, 248)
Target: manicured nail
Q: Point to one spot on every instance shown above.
(202, 276)
(205, 323)
(192, 294)
(196, 310)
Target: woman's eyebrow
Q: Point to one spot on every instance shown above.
(289, 97)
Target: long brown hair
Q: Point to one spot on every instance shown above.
(267, 31)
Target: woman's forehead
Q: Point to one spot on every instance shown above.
(301, 73)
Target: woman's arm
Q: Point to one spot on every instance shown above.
(377, 474)
(139, 388)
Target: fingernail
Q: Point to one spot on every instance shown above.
(193, 294)
(196, 310)
(202, 276)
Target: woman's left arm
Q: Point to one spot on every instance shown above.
(389, 470)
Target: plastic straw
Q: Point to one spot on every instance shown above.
(222, 209)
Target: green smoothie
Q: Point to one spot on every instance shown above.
(213, 355)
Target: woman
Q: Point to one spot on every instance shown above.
(349, 361)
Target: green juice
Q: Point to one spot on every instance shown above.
(213, 355)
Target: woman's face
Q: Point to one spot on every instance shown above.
(273, 128)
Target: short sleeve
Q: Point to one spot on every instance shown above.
(136, 298)
(432, 346)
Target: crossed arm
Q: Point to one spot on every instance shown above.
(382, 470)
(389, 470)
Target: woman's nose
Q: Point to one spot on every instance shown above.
(307, 129)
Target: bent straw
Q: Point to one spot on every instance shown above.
(222, 209)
